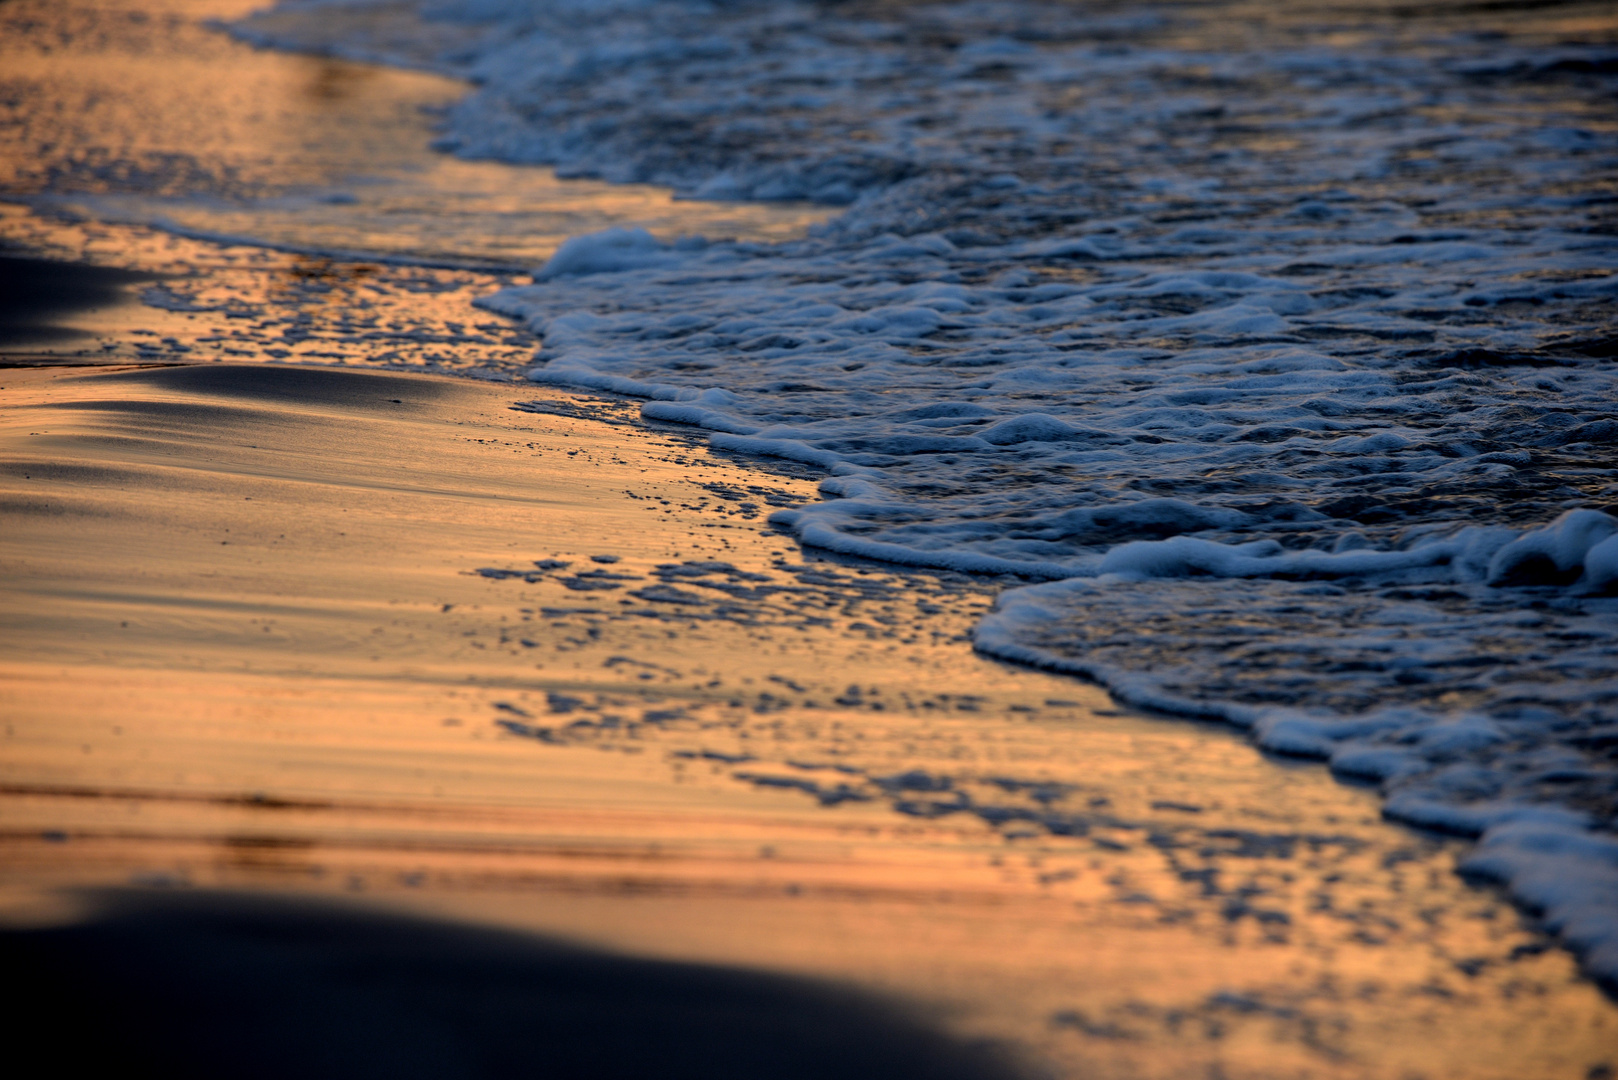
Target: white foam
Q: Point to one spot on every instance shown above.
(614, 249)
(1567, 874)
(1563, 545)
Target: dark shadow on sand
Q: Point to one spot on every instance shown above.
(291, 384)
(35, 293)
(225, 985)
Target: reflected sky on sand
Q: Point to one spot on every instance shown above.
(144, 112)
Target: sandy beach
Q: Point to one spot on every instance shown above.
(385, 637)
(417, 660)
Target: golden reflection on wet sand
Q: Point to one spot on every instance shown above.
(304, 629)
(243, 302)
(141, 111)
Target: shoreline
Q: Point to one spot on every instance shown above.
(501, 653)
(712, 764)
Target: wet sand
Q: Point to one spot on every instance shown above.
(364, 705)
(145, 112)
(306, 631)
(101, 293)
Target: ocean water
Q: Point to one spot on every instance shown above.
(1265, 352)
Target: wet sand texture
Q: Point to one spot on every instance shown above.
(302, 153)
(198, 985)
(288, 628)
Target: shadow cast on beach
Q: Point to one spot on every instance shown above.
(289, 384)
(198, 984)
(37, 295)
